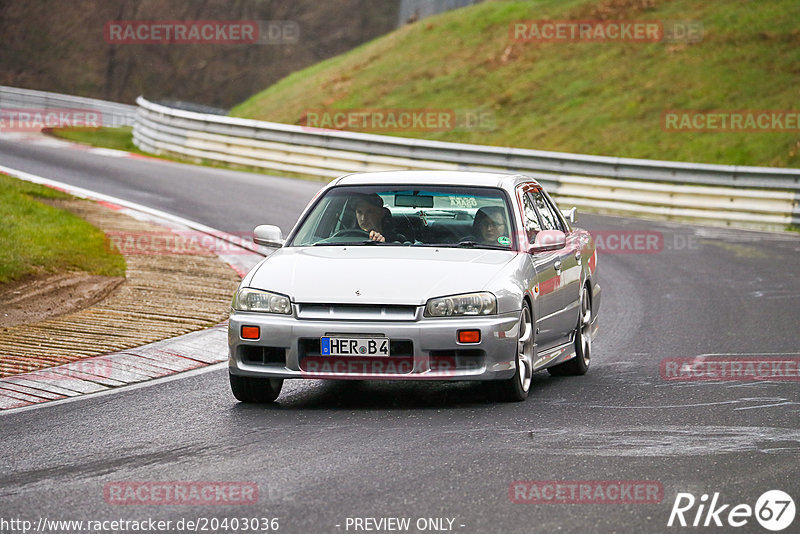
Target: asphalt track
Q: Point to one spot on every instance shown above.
(329, 451)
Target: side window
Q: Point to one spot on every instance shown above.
(532, 224)
(561, 223)
(549, 218)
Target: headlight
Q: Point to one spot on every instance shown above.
(248, 299)
(468, 304)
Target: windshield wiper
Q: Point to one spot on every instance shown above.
(465, 244)
(350, 243)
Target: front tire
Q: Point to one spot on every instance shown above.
(516, 388)
(583, 342)
(255, 390)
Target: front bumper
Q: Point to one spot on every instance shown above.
(422, 349)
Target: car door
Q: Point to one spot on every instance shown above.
(571, 265)
(560, 284)
(547, 303)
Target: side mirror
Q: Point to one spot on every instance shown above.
(571, 215)
(548, 240)
(268, 235)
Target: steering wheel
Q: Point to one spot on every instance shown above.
(351, 232)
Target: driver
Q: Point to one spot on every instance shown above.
(370, 214)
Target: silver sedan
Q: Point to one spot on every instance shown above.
(417, 275)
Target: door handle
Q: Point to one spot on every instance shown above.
(557, 265)
(578, 257)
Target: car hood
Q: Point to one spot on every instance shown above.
(376, 274)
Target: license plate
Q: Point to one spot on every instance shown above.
(354, 346)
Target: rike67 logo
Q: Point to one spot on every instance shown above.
(774, 510)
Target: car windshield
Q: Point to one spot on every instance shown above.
(442, 216)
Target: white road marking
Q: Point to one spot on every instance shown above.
(131, 387)
(110, 152)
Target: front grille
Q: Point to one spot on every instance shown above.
(400, 361)
(256, 355)
(356, 312)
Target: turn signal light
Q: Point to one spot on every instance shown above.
(251, 332)
(469, 336)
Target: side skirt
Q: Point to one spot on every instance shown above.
(554, 356)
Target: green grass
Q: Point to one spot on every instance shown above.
(36, 238)
(117, 138)
(592, 98)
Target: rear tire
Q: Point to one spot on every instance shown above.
(516, 388)
(255, 390)
(583, 342)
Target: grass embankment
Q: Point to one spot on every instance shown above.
(116, 138)
(583, 97)
(36, 238)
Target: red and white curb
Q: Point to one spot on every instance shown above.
(103, 373)
(155, 360)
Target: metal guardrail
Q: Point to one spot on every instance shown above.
(111, 114)
(760, 197)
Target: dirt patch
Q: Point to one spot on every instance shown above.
(48, 296)
(614, 9)
(163, 295)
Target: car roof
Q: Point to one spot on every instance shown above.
(486, 179)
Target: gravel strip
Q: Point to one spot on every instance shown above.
(166, 293)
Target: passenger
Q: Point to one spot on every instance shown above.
(490, 225)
